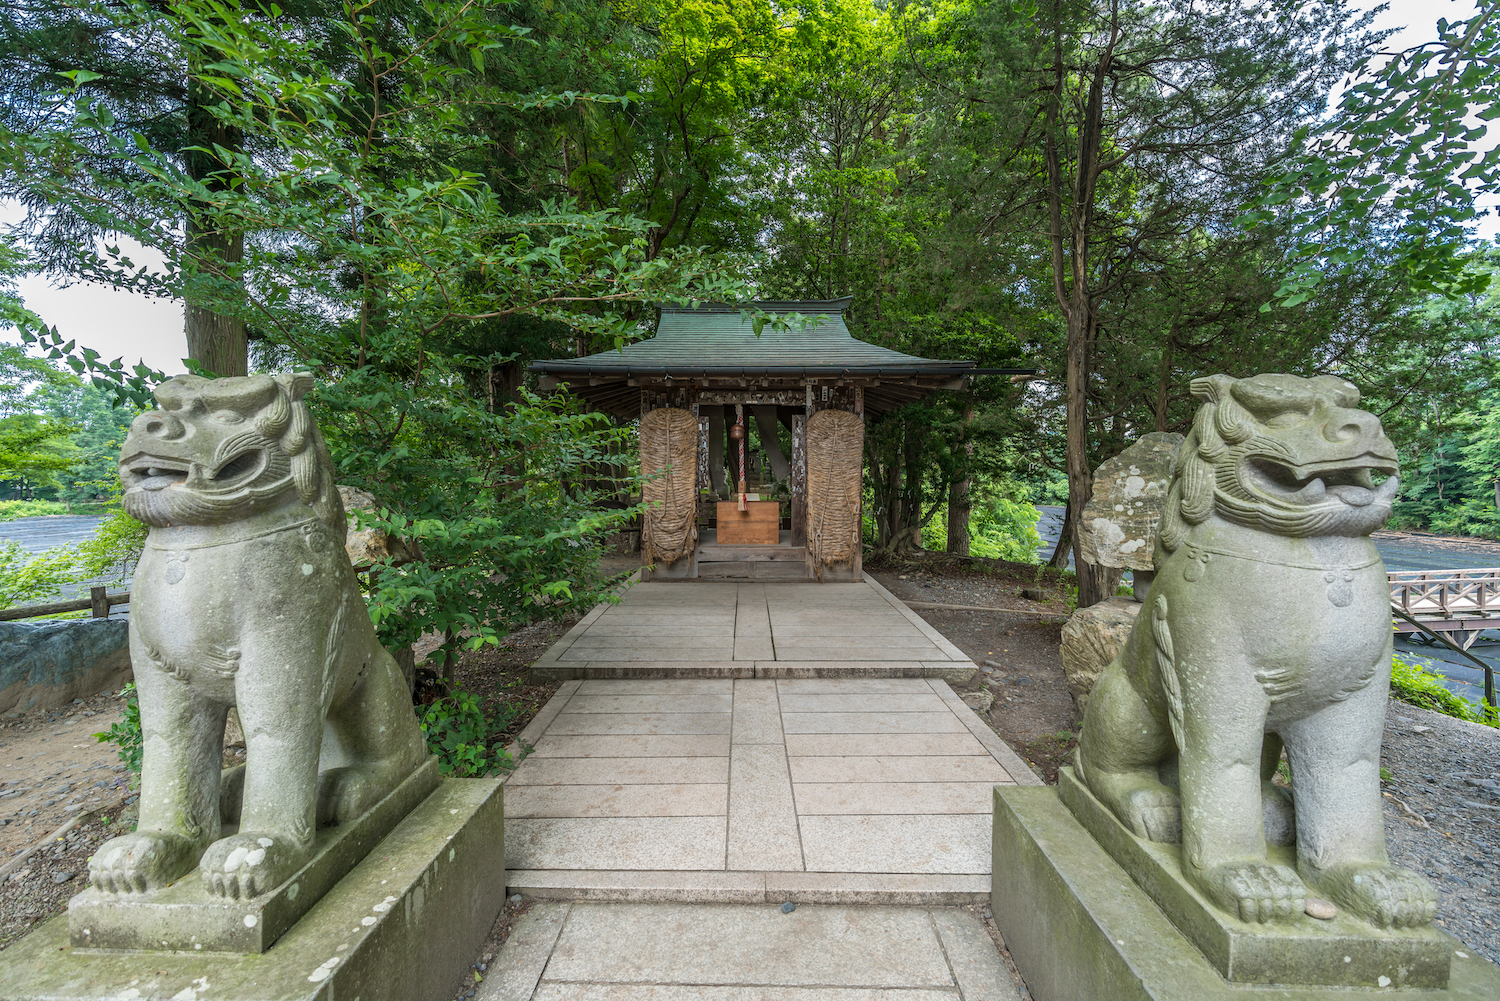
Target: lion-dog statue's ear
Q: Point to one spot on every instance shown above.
(1342, 392)
(1213, 388)
(296, 384)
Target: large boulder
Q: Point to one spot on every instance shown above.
(1130, 493)
(49, 664)
(368, 546)
(1091, 638)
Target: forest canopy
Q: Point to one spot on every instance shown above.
(414, 201)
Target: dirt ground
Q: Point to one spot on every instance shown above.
(1016, 650)
(52, 769)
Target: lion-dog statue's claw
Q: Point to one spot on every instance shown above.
(1383, 895)
(1267, 627)
(247, 865)
(244, 597)
(142, 861)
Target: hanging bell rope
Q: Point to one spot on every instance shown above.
(738, 434)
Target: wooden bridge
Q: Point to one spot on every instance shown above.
(1460, 603)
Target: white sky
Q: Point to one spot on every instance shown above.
(123, 324)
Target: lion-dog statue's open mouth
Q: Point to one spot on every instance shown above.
(1267, 625)
(244, 597)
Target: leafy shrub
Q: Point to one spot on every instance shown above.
(456, 729)
(999, 529)
(126, 734)
(10, 510)
(110, 556)
(1413, 683)
(459, 732)
(26, 579)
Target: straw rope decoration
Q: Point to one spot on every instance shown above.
(835, 462)
(669, 437)
(739, 420)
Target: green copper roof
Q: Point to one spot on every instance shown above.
(721, 340)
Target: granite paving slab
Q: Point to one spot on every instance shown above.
(632, 771)
(594, 950)
(835, 759)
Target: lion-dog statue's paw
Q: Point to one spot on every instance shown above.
(248, 864)
(1383, 895)
(1256, 891)
(1278, 814)
(1154, 814)
(1149, 809)
(345, 793)
(135, 863)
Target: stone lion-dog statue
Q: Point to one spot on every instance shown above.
(1268, 625)
(244, 597)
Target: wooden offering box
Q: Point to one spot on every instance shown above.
(758, 526)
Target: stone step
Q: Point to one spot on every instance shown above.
(750, 554)
(715, 886)
(956, 672)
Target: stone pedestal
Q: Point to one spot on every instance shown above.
(1342, 952)
(185, 917)
(404, 925)
(1079, 927)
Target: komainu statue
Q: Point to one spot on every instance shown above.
(1268, 625)
(244, 597)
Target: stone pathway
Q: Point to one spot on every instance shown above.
(723, 750)
(744, 630)
(706, 952)
(761, 781)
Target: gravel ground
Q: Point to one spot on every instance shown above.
(1442, 816)
(51, 769)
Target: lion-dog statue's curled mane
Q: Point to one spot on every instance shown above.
(1267, 626)
(244, 597)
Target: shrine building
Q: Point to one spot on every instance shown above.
(758, 441)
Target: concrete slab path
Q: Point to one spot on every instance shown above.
(745, 630)
(704, 952)
(830, 789)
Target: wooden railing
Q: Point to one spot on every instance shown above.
(98, 602)
(1446, 593)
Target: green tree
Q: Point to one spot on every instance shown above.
(35, 448)
(867, 202)
(1400, 144)
(99, 430)
(378, 267)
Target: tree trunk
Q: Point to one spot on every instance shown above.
(217, 342)
(909, 535)
(959, 506)
(1071, 278)
(1059, 558)
(959, 509)
(1080, 476)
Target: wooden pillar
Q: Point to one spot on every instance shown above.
(799, 480)
(703, 480)
(641, 536)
